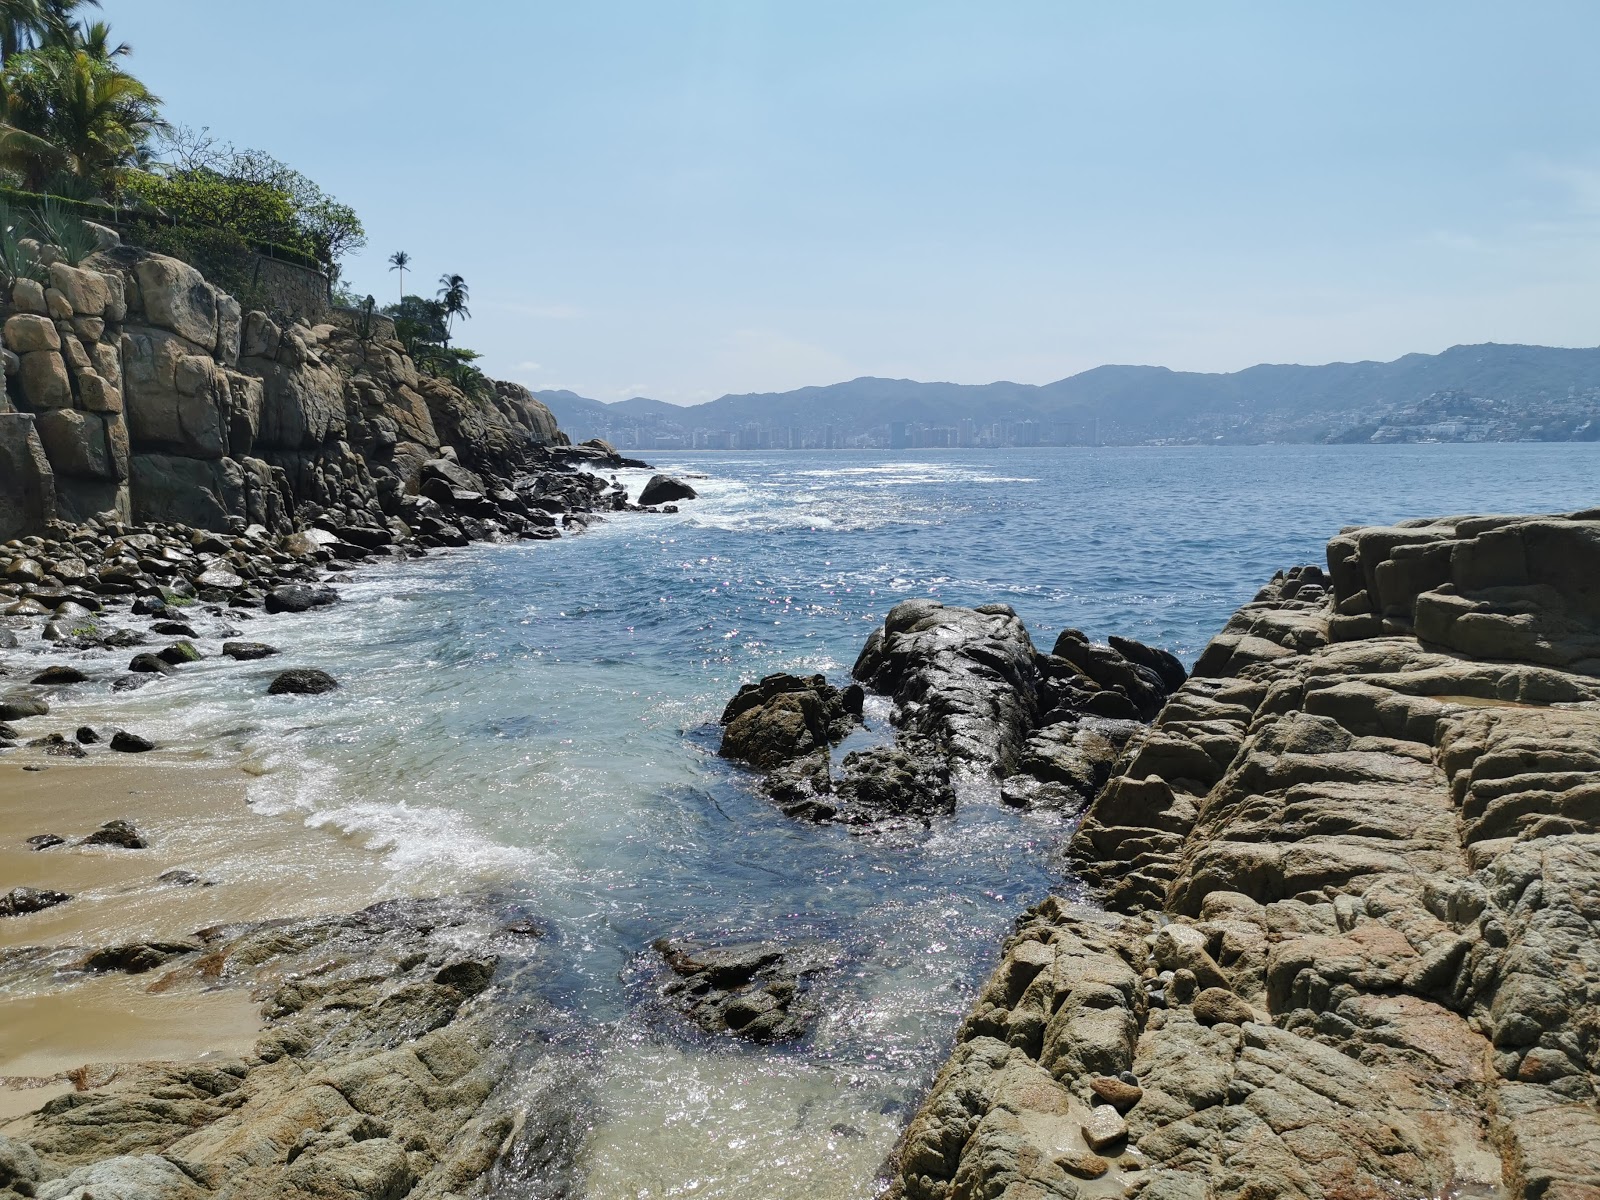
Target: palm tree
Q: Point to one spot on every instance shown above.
(94, 39)
(25, 24)
(98, 118)
(453, 293)
(399, 261)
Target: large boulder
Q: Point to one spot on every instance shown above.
(786, 717)
(79, 444)
(174, 394)
(177, 298)
(27, 482)
(664, 489)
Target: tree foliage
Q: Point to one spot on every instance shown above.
(205, 180)
(69, 112)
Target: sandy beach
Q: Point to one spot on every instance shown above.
(56, 1021)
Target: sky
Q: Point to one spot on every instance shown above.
(684, 198)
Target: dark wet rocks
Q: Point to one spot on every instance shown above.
(22, 900)
(44, 841)
(179, 653)
(753, 990)
(149, 664)
(299, 598)
(124, 742)
(1348, 943)
(786, 717)
(136, 958)
(247, 651)
(301, 681)
(972, 701)
(118, 833)
(664, 489)
(19, 707)
(57, 675)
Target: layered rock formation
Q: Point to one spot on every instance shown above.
(380, 1074)
(154, 399)
(1348, 939)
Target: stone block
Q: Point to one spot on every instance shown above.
(44, 379)
(26, 332)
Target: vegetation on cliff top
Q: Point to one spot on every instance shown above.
(76, 125)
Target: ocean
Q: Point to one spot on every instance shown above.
(537, 721)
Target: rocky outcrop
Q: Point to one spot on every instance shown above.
(972, 699)
(157, 400)
(379, 1073)
(757, 991)
(1348, 939)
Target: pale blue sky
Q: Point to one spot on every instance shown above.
(682, 199)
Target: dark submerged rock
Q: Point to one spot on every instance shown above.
(130, 743)
(298, 598)
(20, 901)
(752, 990)
(248, 651)
(117, 833)
(302, 681)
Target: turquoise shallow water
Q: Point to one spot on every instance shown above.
(536, 719)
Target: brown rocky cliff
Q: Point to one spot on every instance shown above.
(1348, 939)
(155, 399)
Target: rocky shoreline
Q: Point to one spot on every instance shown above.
(1344, 944)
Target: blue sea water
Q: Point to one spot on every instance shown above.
(538, 719)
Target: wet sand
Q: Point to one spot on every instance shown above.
(195, 816)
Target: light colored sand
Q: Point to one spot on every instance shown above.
(195, 816)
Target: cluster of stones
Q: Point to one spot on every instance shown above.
(379, 1073)
(972, 699)
(1348, 944)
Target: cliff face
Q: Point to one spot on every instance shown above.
(1348, 945)
(153, 398)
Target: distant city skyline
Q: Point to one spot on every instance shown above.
(681, 201)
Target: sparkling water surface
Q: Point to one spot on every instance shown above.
(538, 719)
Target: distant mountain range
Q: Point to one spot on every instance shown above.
(1488, 392)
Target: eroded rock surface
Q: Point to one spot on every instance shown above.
(379, 1075)
(1350, 877)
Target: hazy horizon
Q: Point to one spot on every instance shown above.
(752, 198)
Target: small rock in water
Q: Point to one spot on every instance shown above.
(16, 708)
(137, 958)
(60, 674)
(1083, 1164)
(22, 900)
(116, 833)
(43, 841)
(173, 629)
(302, 681)
(86, 736)
(179, 877)
(664, 488)
(149, 664)
(1105, 1127)
(248, 651)
(298, 598)
(130, 743)
(179, 653)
